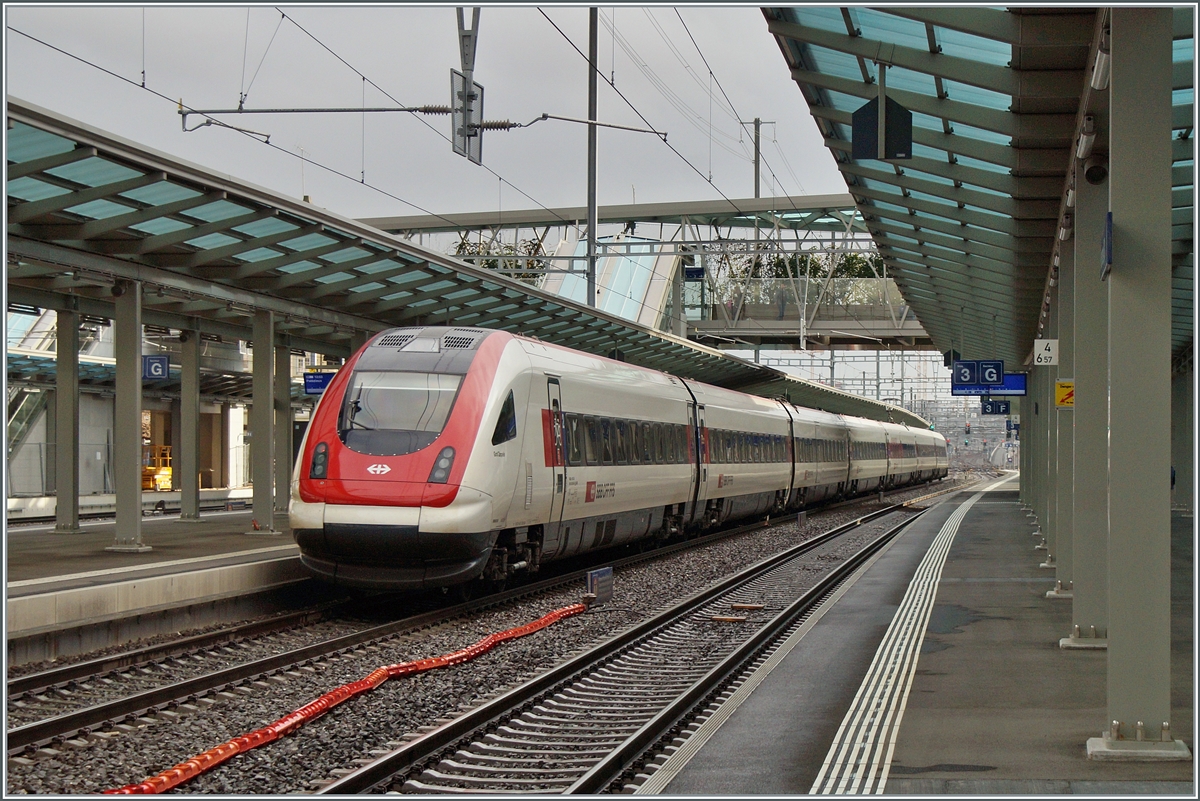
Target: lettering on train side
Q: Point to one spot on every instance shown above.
(724, 480)
(598, 492)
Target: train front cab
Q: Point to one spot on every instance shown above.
(379, 499)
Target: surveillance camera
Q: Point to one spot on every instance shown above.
(118, 289)
(1095, 170)
(184, 336)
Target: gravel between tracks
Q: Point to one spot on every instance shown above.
(378, 720)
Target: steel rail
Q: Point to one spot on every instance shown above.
(63, 726)
(83, 721)
(432, 742)
(64, 675)
(610, 767)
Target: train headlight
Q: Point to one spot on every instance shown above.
(441, 467)
(320, 461)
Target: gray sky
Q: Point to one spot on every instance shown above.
(208, 55)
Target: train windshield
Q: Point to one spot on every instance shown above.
(394, 413)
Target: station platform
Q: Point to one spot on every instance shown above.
(994, 707)
(66, 593)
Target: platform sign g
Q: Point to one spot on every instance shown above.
(991, 373)
(155, 368)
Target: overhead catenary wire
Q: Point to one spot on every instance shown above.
(389, 96)
(641, 116)
(212, 121)
(246, 92)
(690, 115)
(722, 88)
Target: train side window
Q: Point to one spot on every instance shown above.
(647, 443)
(634, 430)
(506, 425)
(574, 440)
(592, 442)
(621, 437)
(682, 451)
(656, 443)
(606, 440)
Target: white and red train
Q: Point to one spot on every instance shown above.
(438, 456)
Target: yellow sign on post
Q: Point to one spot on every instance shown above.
(1064, 394)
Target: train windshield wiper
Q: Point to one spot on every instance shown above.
(355, 407)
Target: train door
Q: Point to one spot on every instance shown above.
(792, 455)
(558, 464)
(699, 456)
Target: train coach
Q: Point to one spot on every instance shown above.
(440, 456)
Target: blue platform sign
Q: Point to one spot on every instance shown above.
(996, 407)
(1014, 384)
(315, 383)
(964, 372)
(155, 368)
(991, 373)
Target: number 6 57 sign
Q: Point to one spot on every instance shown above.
(1045, 352)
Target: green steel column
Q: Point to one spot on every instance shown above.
(127, 418)
(1050, 418)
(187, 462)
(1089, 607)
(1182, 440)
(1039, 451)
(283, 427)
(66, 424)
(1139, 357)
(1022, 467)
(262, 428)
(1065, 437)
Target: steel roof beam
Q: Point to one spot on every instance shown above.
(201, 258)
(76, 232)
(100, 307)
(125, 270)
(1003, 80)
(1028, 188)
(1006, 272)
(994, 254)
(949, 227)
(32, 209)
(1017, 209)
(260, 281)
(149, 244)
(1023, 30)
(969, 267)
(992, 222)
(23, 168)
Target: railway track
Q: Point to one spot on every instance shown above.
(170, 699)
(584, 725)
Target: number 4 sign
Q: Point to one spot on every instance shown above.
(1045, 352)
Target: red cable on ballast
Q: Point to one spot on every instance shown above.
(193, 767)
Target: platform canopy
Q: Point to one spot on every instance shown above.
(89, 213)
(968, 225)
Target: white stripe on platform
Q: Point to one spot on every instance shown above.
(860, 756)
(197, 562)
